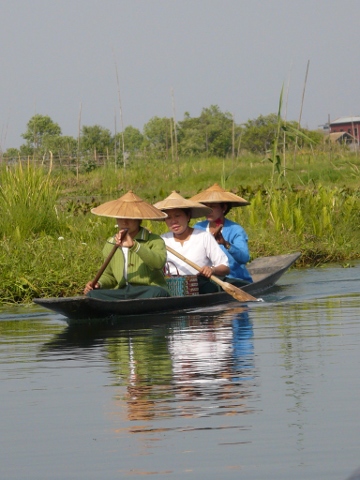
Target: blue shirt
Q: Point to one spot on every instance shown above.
(238, 253)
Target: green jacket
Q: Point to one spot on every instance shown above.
(146, 260)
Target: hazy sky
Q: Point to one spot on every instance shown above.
(59, 57)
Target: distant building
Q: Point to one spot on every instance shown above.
(346, 129)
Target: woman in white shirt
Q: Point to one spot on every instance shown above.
(196, 245)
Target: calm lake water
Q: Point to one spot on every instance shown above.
(265, 391)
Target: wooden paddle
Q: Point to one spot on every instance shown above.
(235, 292)
(107, 261)
(103, 266)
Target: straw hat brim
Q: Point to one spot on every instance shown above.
(174, 200)
(129, 206)
(216, 194)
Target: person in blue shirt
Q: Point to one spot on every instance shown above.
(231, 237)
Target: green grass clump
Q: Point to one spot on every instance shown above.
(46, 266)
(28, 199)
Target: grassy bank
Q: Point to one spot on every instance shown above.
(51, 244)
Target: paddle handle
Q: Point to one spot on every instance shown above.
(122, 233)
(104, 265)
(194, 265)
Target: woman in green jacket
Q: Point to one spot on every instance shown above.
(136, 269)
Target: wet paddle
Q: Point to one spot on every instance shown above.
(235, 292)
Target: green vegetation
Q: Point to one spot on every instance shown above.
(51, 243)
(304, 192)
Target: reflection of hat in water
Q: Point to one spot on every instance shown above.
(216, 194)
(174, 200)
(129, 206)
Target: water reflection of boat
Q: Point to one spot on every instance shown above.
(165, 365)
(74, 336)
(265, 271)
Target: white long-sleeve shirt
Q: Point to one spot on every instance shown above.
(201, 248)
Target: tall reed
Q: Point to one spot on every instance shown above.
(28, 197)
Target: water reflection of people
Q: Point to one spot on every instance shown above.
(243, 346)
(142, 364)
(205, 355)
(198, 356)
(210, 361)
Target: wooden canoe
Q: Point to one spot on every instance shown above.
(265, 272)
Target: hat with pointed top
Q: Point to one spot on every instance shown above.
(174, 200)
(216, 194)
(129, 206)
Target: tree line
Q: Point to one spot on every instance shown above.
(213, 133)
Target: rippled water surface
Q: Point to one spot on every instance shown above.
(264, 391)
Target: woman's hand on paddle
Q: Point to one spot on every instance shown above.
(207, 271)
(123, 239)
(89, 287)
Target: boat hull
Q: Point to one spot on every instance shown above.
(265, 271)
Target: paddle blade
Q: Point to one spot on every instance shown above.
(237, 293)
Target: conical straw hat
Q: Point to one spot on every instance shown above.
(216, 194)
(174, 200)
(129, 206)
